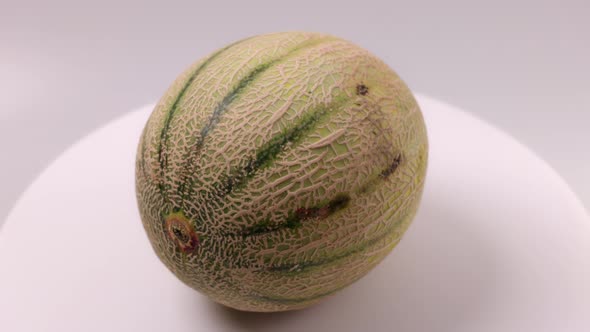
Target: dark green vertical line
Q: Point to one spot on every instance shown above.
(268, 152)
(142, 153)
(195, 150)
(162, 158)
(296, 268)
(295, 218)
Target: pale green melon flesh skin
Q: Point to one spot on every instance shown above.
(280, 169)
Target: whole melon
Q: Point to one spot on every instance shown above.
(280, 169)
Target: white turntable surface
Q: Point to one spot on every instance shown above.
(500, 243)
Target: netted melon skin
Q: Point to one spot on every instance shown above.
(280, 169)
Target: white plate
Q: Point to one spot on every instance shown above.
(500, 244)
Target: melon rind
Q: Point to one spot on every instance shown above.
(280, 169)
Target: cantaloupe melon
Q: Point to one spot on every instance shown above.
(280, 169)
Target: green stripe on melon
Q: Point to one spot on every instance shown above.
(280, 169)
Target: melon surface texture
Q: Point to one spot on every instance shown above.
(280, 169)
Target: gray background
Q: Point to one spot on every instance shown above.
(68, 67)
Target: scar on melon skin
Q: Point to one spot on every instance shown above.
(181, 231)
(362, 89)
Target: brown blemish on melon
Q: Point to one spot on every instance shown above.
(180, 230)
(392, 167)
(362, 90)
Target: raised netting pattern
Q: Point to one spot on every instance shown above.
(280, 169)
